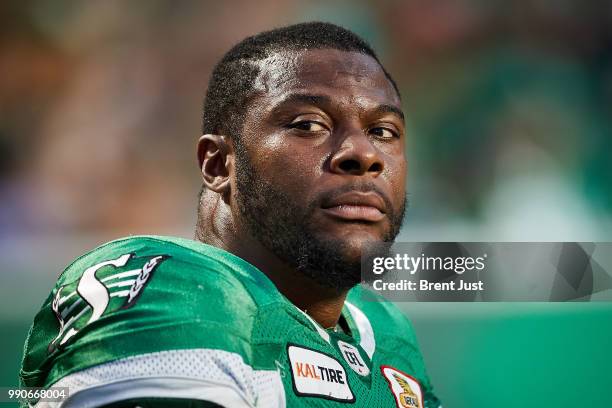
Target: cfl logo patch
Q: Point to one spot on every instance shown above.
(353, 358)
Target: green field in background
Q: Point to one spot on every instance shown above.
(517, 354)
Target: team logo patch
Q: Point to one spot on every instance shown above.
(101, 289)
(317, 374)
(353, 358)
(406, 390)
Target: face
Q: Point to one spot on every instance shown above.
(320, 169)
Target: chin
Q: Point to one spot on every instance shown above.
(354, 245)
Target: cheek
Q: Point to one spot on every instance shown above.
(396, 172)
(292, 166)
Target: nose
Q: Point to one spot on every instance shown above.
(357, 156)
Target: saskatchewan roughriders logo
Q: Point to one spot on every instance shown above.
(407, 398)
(406, 389)
(101, 289)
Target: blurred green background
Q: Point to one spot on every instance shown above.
(509, 108)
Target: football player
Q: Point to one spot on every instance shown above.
(303, 163)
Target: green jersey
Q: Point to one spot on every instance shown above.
(172, 319)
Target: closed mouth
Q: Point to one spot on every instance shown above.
(356, 206)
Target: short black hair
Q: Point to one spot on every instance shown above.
(232, 80)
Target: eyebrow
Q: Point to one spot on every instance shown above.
(390, 109)
(323, 100)
(309, 99)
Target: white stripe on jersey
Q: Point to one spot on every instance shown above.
(211, 375)
(366, 332)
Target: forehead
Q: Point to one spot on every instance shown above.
(338, 73)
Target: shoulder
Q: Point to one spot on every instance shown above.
(141, 295)
(179, 258)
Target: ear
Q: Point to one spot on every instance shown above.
(215, 155)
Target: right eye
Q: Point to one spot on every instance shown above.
(308, 126)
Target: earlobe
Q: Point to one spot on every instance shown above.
(214, 158)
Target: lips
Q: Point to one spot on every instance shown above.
(356, 206)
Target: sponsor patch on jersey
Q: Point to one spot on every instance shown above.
(406, 390)
(353, 358)
(101, 289)
(317, 374)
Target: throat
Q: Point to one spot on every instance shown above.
(322, 304)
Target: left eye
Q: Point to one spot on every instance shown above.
(384, 133)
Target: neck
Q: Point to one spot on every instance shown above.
(321, 303)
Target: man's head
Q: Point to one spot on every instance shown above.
(304, 148)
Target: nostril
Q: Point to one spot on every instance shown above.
(350, 165)
(375, 168)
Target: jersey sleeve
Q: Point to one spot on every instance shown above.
(143, 318)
